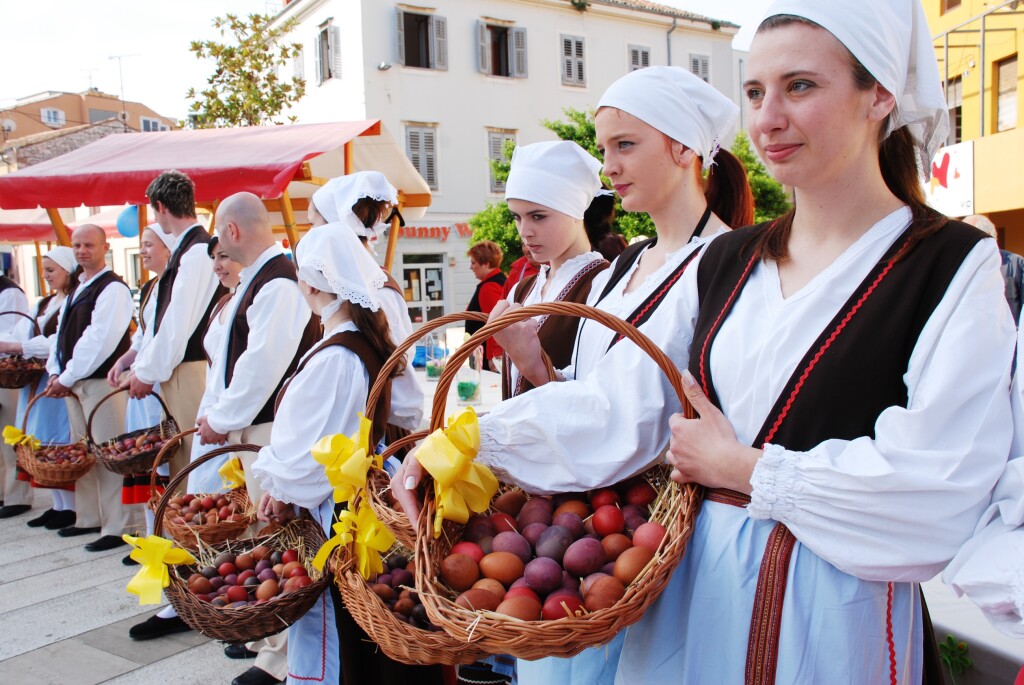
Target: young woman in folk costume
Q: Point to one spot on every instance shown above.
(659, 128)
(549, 189)
(363, 202)
(154, 249)
(850, 365)
(48, 420)
(325, 396)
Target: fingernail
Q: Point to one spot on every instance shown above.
(410, 483)
(688, 379)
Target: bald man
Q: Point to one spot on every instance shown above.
(92, 333)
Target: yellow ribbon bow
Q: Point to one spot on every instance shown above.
(13, 436)
(368, 536)
(231, 474)
(461, 485)
(346, 460)
(154, 553)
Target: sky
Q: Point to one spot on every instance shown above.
(70, 45)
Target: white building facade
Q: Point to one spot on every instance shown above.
(457, 78)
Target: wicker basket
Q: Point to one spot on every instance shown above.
(18, 371)
(399, 640)
(496, 633)
(254, 622)
(127, 464)
(380, 483)
(193, 537)
(44, 473)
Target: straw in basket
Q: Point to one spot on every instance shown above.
(18, 371)
(53, 465)
(190, 536)
(380, 483)
(251, 622)
(135, 451)
(496, 633)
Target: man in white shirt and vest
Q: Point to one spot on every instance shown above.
(185, 296)
(92, 334)
(15, 495)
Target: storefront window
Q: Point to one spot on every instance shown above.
(423, 286)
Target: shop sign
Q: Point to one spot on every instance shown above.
(438, 233)
(951, 187)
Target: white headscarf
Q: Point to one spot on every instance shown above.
(677, 103)
(335, 198)
(892, 40)
(334, 261)
(560, 175)
(65, 258)
(167, 239)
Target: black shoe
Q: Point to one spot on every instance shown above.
(40, 521)
(104, 543)
(128, 561)
(63, 519)
(154, 626)
(74, 531)
(12, 510)
(232, 651)
(255, 676)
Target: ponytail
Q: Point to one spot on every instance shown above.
(598, 221)
(727, 191)
(374, 325)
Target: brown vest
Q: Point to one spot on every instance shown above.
(392, 283)
(78, 316)
(238, 331)
(165, 285)
(557, 333)
(358, 343)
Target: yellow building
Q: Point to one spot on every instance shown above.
(976, 43)
(53, 111)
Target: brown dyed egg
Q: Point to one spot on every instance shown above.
(614, 545)
(504, 567)
(289, 568)
(266, 589)
(476, 599)
(630, 563)
(385, 592)
(574, 506)
(459, 572)
(260, 553)
(510, 502)
(603, 593)
(523, 608)
(492, 586)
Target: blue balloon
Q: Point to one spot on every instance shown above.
(128, 221)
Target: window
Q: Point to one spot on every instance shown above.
(52, 117)
(298, 65)
(948, 5)
(955, 105)
(1006, 105)
(148, 124)
(422, 40)
(421, 147)
(328, 52)
(501, 50)
(700, 66)
(639, 57)
(97, 115)
(496, 143)
(573, 72)
(423, 286)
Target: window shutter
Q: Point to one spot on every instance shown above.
(318, 54)
(518, 60)
(699, 66)
(1006, 104)
(483, 39)
(645, 58)
(429, 158)
(297, 65)
(335, 38)
(634, 59)
(439, 42)
(581, 77)
(400, 15)
(567, 61)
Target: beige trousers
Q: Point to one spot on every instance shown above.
(182, 392)
(12, 490)
(98, 492)
(253, 435)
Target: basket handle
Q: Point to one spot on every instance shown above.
(396, 357)
(31, 403)
(168, 447)
(34, 322)
(88, 423)
(561, 309)
(408, 441)
(161, 507)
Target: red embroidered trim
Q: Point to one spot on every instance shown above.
(889, 638)
(323, 646)
(828, 343)
(726, 496)
(766, 620)
(718, 322)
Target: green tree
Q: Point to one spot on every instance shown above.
(770, 199)
(244, 89)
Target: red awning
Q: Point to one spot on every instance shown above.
(116, 170)
(28, 225)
